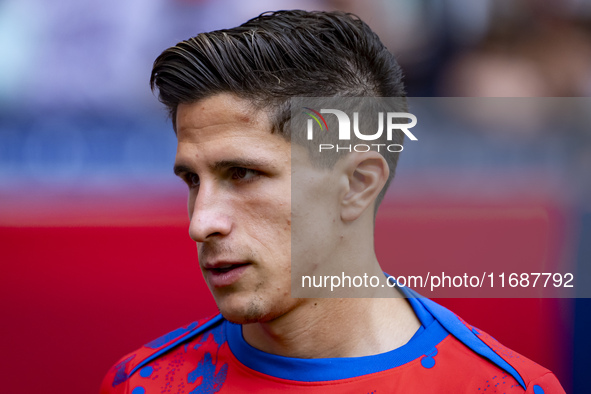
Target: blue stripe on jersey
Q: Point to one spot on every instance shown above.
(458, 329)
(197, 331)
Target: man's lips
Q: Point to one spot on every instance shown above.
(224, 273)
(224, 267)
(223, 264)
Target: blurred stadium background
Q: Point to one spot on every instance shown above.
(95, 259)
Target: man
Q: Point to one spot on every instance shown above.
(229, 95)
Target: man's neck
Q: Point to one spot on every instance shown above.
(330, 327)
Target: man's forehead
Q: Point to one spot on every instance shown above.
(220, 131)
(232, 145)
(220, 110)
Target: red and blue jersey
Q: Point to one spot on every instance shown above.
(446, 355)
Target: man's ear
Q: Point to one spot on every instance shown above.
(367, 173)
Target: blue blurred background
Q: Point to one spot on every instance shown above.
(84, 143)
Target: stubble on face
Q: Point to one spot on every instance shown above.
(262, 297)
(255, 310)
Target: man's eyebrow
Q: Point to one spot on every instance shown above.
(242, 162)
(223, 164)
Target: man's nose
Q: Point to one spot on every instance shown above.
(209, 214)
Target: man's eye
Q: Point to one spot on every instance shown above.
(242, 173)
(193, 180)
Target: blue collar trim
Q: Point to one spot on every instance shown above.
(324, 369)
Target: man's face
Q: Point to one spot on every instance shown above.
(239, 178)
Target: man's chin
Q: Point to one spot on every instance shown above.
(243, 314)
(238, 319)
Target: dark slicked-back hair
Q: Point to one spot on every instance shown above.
(277, 56)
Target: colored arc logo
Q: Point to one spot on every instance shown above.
(315, 115)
